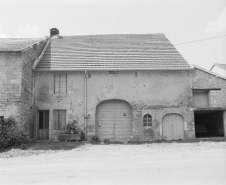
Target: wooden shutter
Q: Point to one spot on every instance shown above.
(57, 84)
(55, 119)
(59, 119)
(63, 84)
(201, 99)
(62, 119)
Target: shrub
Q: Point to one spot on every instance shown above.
(107, 141)
(10, 135)
(95, 139)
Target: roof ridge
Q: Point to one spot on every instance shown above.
(113, 34)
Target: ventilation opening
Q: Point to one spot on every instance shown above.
(209, 124)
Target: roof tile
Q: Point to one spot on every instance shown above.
(109, 52)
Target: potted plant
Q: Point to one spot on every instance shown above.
(70, 132)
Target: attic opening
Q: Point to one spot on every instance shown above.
(209, 123)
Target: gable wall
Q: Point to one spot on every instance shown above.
(148, 91)
(10, 84)
(204, 80)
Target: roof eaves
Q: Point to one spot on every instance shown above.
(42, 53)
(115, 69)
(210, 72)
(11, 51)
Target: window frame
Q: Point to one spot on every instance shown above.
(145, 120)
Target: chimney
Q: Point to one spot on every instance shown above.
(54, 32)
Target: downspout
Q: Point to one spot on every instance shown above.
(33, 106)
(85, 105)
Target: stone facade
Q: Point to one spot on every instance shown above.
(24, 92)
(153, 92)
(10, 85)
(16, 85)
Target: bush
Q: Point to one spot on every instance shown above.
(10, 135)
(107, 141)
(95, 139)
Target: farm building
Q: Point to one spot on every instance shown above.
(119, 87)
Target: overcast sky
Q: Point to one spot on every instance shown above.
(180, 20)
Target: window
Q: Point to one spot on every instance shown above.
(147, 120)
(59, 119)
(60, 84)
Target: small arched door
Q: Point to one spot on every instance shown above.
(173, 127)
(114, 120)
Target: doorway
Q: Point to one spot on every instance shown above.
(43, 124)
(209, 123)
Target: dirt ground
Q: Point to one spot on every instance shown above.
(157, 163)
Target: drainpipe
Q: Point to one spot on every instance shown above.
(33, 103)
(85, 105)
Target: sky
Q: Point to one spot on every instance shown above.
(182, 21)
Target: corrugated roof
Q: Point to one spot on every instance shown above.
(112, 52)
(17, 44)
(222, 66)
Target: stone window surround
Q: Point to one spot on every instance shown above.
(151, 113)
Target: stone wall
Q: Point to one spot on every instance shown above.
(10, 85)
(204, 80)
(146, 91)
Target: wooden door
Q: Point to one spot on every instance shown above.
(173, 127)
(43, 124)
(114, 120)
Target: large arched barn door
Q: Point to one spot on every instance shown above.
(173, 127)
(114, 120)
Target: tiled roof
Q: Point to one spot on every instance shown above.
(12, 44)
(112, 52)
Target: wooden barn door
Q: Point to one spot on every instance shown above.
(43, 124)
(173, 127)
(114, 120)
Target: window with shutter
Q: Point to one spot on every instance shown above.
(60, 84)
(59, 119)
